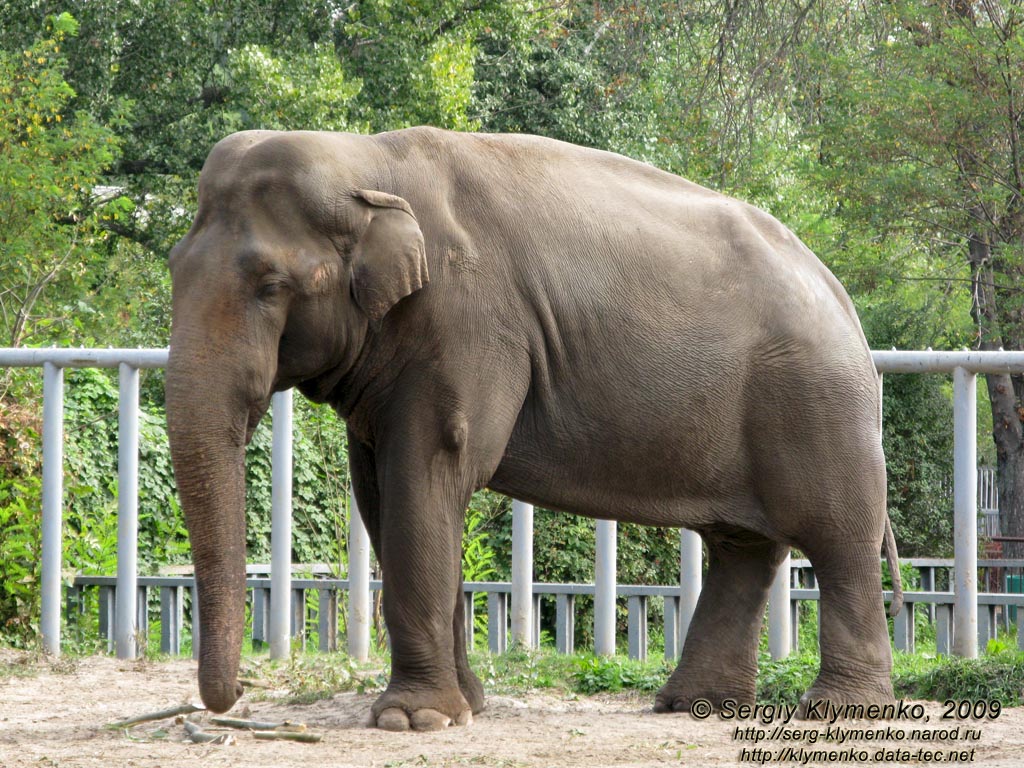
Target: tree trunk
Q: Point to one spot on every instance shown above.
(1007, 413)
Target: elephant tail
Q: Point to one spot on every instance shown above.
(893, 559)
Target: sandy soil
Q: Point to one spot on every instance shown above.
(52, 714)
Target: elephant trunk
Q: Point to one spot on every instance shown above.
(207, 423)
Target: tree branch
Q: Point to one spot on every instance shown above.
(25, 311)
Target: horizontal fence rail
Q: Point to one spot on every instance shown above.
(320, 614)
(126, 598)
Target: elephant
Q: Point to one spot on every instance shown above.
(560, 324)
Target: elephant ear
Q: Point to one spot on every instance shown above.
(389, 258)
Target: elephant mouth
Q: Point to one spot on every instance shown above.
(256, 412)
(320, 386)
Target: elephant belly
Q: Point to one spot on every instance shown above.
(666, 463)
(736, 441)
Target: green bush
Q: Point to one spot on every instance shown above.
(20, 554)
(992, 677)
(784, 682)
(600, 674)
(918, 440)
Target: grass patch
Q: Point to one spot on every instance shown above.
(520, 670)
(306, 677)
(993, 677)
(784, 682)
(597, 674)
(996, 676)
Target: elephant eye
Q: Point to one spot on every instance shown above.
(270, 289)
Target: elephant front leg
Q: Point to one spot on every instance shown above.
(421, 540)
(366, 486)
(469, 683)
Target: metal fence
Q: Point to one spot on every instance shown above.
(125, 615)
(314, 596)
(988, 503)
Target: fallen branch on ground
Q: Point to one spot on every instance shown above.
(181, 709)
(248, 682)
(257, 725)
(198, 736)
(304, 736)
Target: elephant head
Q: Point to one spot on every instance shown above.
(295, 257)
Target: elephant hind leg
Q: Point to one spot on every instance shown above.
(856, 656)
(719, 659)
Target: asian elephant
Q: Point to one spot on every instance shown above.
(563, 325)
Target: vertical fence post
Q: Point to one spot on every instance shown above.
(126, 600)
(965, 513)
(53, 505)
(522, 574)
(281, 527)
(691, 555)
(196, 623)
(497, 621)
(604, 588)
(779, 614)
(358, 584)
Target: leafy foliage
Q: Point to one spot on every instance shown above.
(320, 488)
(601, 674)
(20, 553)
(993, 677)
(51, 161)
(784, 682)
(917, 419)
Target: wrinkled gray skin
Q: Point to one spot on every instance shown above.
(563, 325)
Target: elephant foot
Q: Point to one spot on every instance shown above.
(402, 710)
(669, 700)
(823, 699)
(681, 692)
(394, 719)
(472, 689)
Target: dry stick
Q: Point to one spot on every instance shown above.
(181, 709)
(252, 725)
(306, 736)
(198, 736)
(248, 682)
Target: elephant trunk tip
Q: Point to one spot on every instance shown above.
(219, 696)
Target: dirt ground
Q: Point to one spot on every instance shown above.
(52, 715)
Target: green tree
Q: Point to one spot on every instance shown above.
(417, 60)
(52, 208)
(194, 73)
(921, 138)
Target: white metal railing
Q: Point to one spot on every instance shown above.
(321, 614)
(988, 503)
(963, 365)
